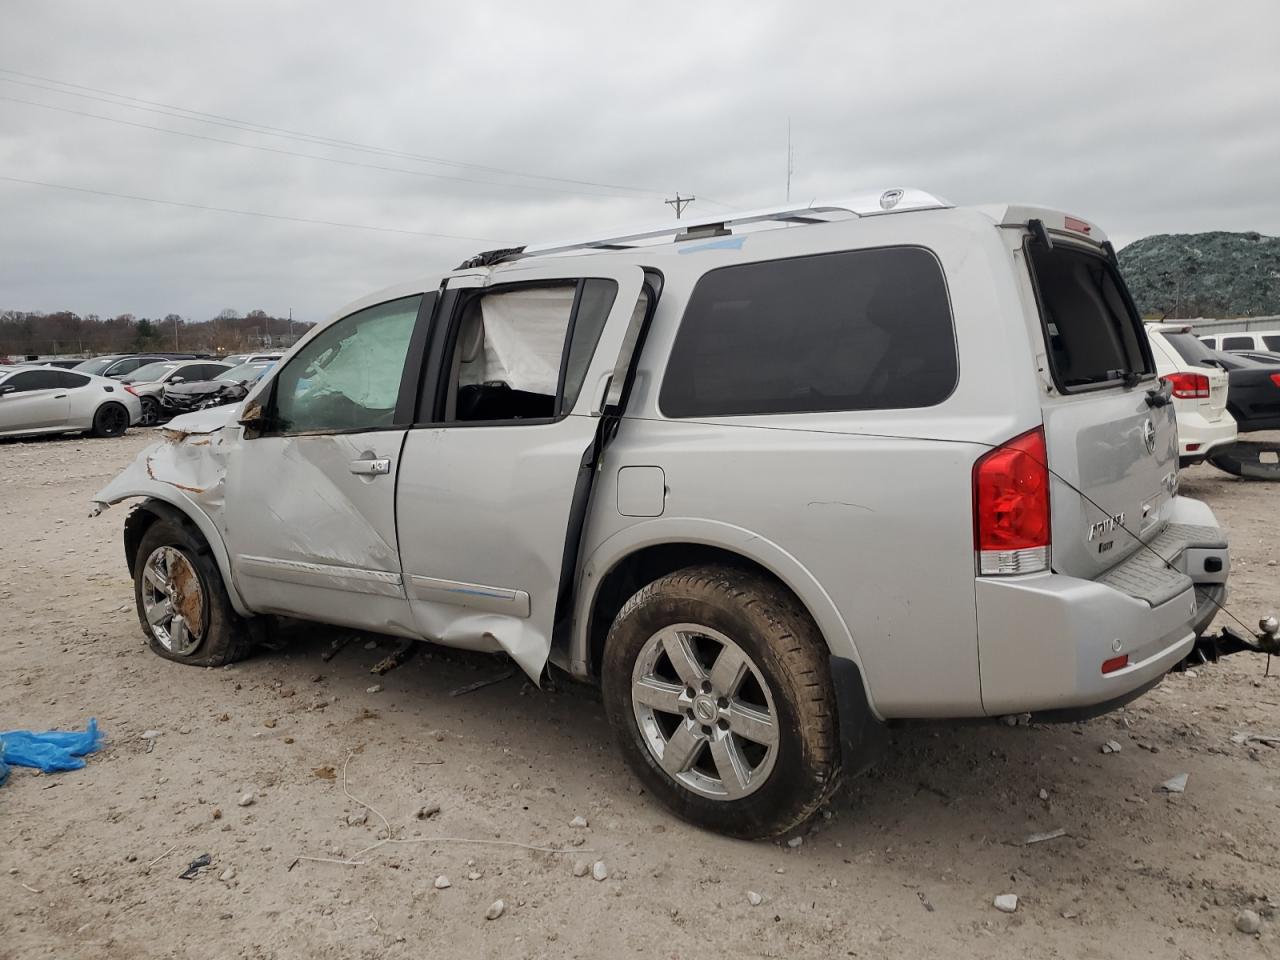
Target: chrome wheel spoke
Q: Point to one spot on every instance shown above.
(755, 725)
(679, 648)
(179, 636)
(735, 772)
(681, 750)
(729, 671)
(659, 694)
(156, 578)
(157, 614)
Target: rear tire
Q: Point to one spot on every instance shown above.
(747, 746)
(182, 604)
(110, 420)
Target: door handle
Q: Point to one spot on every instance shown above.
(374, 467)
(59, 396)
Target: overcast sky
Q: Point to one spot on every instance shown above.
(1145, 117)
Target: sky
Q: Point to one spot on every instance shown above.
(470, 126)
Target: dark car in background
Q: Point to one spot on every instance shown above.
(230, 386)
(1253, 398)
(118, 365)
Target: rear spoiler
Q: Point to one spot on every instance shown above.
(1051, 223)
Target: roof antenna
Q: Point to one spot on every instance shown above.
(790, 160)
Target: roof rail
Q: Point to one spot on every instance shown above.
(860, 205)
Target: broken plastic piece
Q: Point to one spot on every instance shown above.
(194, 867)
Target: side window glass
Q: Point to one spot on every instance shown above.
(523, 353)
(71, 379)
(348, 377)
(34, 380)
(1272, 341)
(1237, 343)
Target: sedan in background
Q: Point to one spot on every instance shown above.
(148, 383)
(1253, 392)
(231, 386)
(37, 400)
(119, 365)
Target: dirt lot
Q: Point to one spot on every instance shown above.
(905, 865)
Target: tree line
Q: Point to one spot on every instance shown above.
(64, 333)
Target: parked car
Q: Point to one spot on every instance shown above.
(238, 358)
(230, 386)
(1199, 389)
(61, 364)
(120, 365)
(1261, 356)
(1243, 340)
(771, 488)
(36, 400)
(147, 383)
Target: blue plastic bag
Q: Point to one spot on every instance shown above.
(4, 767)
(50, 751)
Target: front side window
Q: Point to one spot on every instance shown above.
(1092, 334)
(33, 380)
(348, 377)
(857, 330)
(1237, 343)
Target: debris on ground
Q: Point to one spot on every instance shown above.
(754, 898)
(51, 751)
(495, 910)
(376, 688)
(581, 868)
(246, 799)
(195, 866)
(1044, 794)
(1248, 922)
(579, 822)
(1006, 902)
(599, 871)
(1111, 746)
(427, 811)
(924, 901)
(442, 882)
(481, 684)
(1041, 837)
(398, 657)
(1176, 784)
(359, 818)
(795, 842)
(325, 773)
(228, 875)
(336, 646)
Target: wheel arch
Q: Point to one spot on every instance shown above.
(640, 554)
(155, 507)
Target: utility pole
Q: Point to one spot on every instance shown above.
(175, 334)
(790, 160)
(679, 203)
(291, 326)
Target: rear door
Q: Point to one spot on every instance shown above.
(495, 475)
(1114, 445)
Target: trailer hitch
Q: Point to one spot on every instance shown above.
(1210, 648)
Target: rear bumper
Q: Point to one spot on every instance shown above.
(1197, 437)
(1043, 638)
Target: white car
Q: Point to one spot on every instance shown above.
(48, 400)
(1199, 390)
(1265, 340)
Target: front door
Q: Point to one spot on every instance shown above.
(310, 511)
(36, 400)
(499, 464)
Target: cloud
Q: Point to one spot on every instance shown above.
(1143, 117)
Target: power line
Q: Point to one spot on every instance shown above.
(294, 153)
(220, 120)
(247, 213)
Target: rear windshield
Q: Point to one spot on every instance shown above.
(1092, 334)
(1191, 349)
(95, 366)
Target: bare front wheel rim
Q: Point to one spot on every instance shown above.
(704, 711)
(173, 601)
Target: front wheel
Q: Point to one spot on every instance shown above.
(717, 687)
(110, 420)
(150, 411)
(182, 604)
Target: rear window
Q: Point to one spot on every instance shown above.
(1237, 343)
(1092, 334)
(859, 330)
(1191, 349)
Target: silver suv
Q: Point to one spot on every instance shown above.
(774, 480)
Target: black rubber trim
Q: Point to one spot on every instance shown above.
(863, 738)
(1077, 714)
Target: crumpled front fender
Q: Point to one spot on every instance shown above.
(187, 471)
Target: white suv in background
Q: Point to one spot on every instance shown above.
(1265, 340)
(1199, 388)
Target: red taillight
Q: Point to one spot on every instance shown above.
(1076, 224)
(1189, 386)
(1115, 663)
(1275, 378)
(1011, 506)
(130, 389)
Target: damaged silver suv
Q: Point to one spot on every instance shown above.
(774, 480)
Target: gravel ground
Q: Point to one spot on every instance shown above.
(905, 864)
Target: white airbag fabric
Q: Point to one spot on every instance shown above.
(524, 335)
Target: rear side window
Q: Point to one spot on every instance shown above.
(1191, 349)
(1237, 343)
(1272, 341)
(1092, 334)
(859, 330)
(66, 379)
